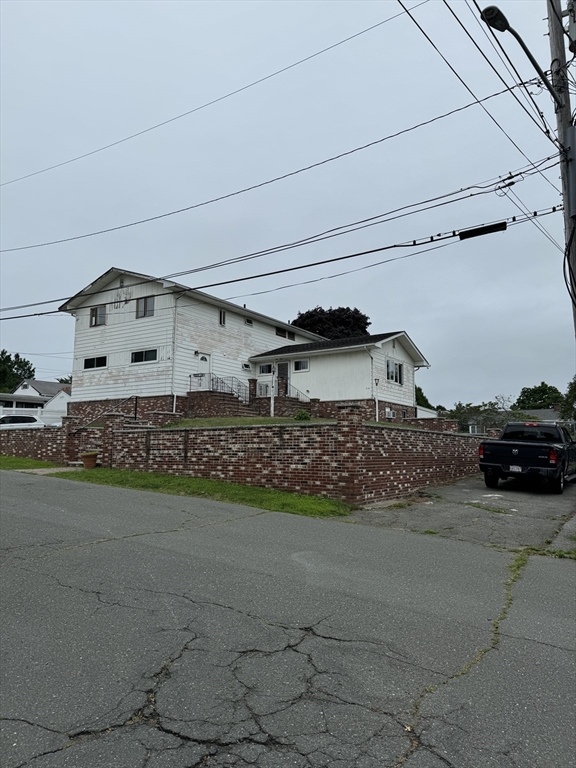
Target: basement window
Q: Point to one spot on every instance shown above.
(94, 362)
(144, 356)
(98, 316)
(145, 307)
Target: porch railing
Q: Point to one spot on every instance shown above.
(228, 384)
(287, 390)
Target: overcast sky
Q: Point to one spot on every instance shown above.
(491, 315)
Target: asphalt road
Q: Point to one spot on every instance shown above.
(150, 631)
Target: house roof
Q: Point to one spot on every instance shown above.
(100, 284)
(542, 414)
(37, 399)
(332, 346)
(44, 388)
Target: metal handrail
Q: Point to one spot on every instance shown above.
(228, 384)
(103, 413)
(263, 391)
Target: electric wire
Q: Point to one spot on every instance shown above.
(209, 103)
(487, 186)
(262, 183)
(453, 70)
(512, 71)
(521, 205)
(415, 243)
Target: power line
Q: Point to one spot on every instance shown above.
(439, 52)
(485, 187)
(210, 103)
(262, 183)
(521, 205)
(415, 243)
(544, 130)
(512, 71)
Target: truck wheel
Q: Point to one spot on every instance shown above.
(557, 485)
(491, 481)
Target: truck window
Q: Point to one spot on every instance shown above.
(540, 433)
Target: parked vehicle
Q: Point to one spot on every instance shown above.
(542, 450)
(21, 422)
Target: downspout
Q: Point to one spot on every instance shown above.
(373, 395)
(174, 352)
(272, 389)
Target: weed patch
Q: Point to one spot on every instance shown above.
(16, 462)
(262, 498)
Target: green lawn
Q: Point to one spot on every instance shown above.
(240, 421)
(263, 498)
(15, 462)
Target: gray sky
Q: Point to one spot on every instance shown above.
(492, 315)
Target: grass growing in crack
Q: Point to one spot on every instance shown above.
(262, 498)
(572, 538)
(486, 508)
(430, 532)
(400, 505)
(567, 554)
(16, 462)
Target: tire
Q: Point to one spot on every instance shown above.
(557, 485)
(490, 480)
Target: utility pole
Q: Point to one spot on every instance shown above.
(566, 134)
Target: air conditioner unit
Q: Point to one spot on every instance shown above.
(390, 414)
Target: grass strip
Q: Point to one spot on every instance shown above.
(262, 498)
(17, 462)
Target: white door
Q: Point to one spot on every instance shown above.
(204, 371)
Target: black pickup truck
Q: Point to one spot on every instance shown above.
(542, 450)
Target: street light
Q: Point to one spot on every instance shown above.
(494, 17)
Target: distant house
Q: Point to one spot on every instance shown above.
(156, 341)
(48, 400)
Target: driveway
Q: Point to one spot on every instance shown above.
(511, 516)
(149, 631)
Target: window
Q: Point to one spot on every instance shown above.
(246, 367)
(222, 317)
(98, 316)
(300, 365)
(145, 307)
(94, 362)
(144, 356)
(267, 368)
(286, 334)
(248, 321)
(395, 371)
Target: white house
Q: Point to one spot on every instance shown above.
(156, 340)
(48, 400)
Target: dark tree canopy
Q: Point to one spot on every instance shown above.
(421, 399)
(542, 396)
(13, 369)
(65, 379)
(568, 409)
(338, 323)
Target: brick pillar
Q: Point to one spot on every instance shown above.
(70, 424)
(112, 422)
(315, 407)
(349, 417)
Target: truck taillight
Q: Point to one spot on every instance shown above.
(553, 456)
(481, 452)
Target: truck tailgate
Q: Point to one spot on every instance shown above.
(511, 454)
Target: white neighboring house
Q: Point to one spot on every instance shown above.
(141, 336)
(47, 400)
(376, 367)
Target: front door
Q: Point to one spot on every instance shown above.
(283, 374)
(204, 371)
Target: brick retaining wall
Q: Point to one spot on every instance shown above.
(348, 460)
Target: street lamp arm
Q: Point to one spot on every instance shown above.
(493, 16)
(538, 68)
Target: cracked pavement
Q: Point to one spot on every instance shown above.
(143, 630)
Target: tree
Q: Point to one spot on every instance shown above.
(491, 415)
(421, 399)
(65, 379)
(13, 370)
(542, 396)
(338, 323)
(568, 407)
